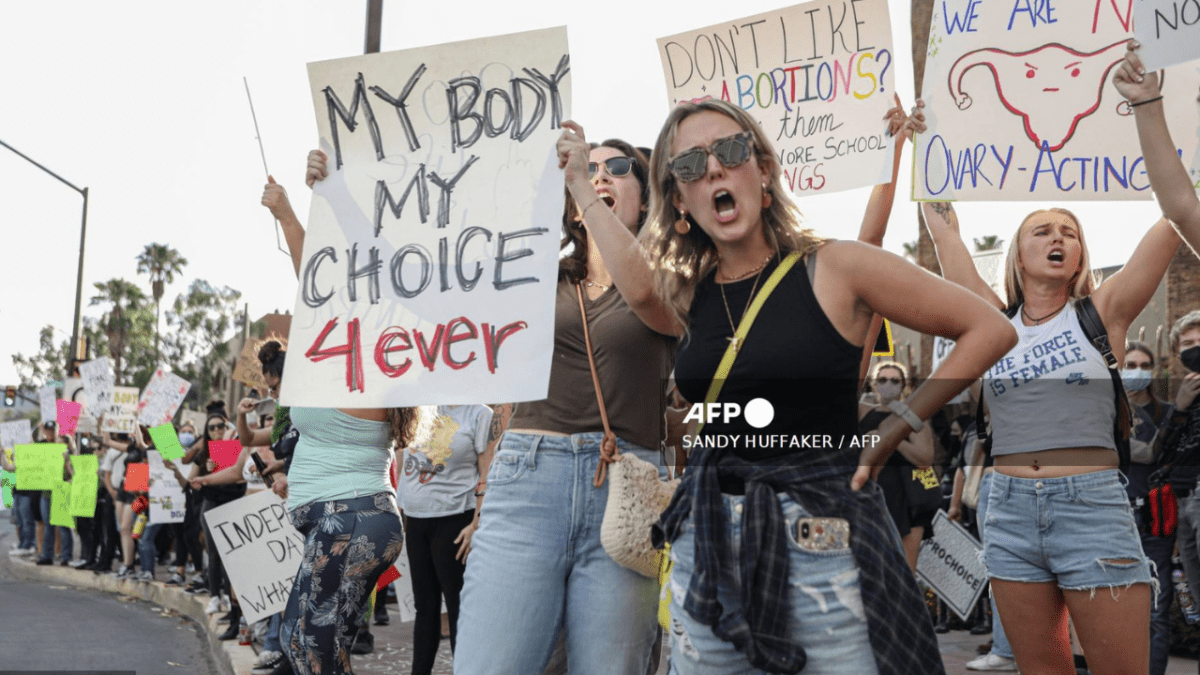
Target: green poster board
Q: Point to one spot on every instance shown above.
(60, 505)
(7, 481)
(84, 485)
(39, 466)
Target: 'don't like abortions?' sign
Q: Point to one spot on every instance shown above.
(818, 77)
(1020, 104)
(430, 261)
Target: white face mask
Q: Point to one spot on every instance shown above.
(888, 391)
(1135, 379)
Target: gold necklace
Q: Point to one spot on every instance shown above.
(734, 339)
(1038, 322)
(591, 284)
(747, 274)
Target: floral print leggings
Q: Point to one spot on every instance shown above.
(348, 544)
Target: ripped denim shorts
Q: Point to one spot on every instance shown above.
(1077, 531)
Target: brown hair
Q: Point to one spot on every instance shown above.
(1082, 284)
(271, 355)
(573, 267)
(406, 425)
(682, 260)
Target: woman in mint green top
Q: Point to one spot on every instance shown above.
(341, 500)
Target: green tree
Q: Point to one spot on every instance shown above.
(49, 363)
(989, 243)
(121, 319)
(162, 263)
(910, 250)
(201, 321)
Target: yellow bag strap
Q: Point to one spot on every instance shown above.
(743, 329)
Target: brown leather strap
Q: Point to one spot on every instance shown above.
(608, 446)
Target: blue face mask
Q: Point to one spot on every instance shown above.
(1135, 379)
(186, 439)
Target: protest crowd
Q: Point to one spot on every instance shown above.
(687, 287)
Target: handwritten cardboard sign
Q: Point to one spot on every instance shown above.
(60, 505)
(68, 416)
(168, 503)
(46, 398)
(248, 369)
(98, 382)
(1169, 31)
(818, 77)
(73, 391)
(14, 433)
(261, 551)
(85, 481)
(444, 198)
(39, 466)
(949, 564)
(161, 398)
(121, 415)
(166, 441)
(1021, 106)
(225, 453)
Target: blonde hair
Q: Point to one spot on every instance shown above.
(1182, 325)
(681, 261)
(1082, 284)
(906, 384)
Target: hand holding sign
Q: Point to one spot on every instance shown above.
(224, 453)
(1131, 79)
(68, 416)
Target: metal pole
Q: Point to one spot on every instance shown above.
(82, 238)
(374, 22)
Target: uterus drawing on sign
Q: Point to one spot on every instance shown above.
(1051, 88)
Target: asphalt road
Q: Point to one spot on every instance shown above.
(45, 627)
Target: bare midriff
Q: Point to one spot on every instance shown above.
(1056, 463)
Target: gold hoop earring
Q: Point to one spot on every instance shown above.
(682, 226)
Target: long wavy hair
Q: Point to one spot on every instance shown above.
(681, 261)
(410, 426)
(573, 267)
(1081, 285)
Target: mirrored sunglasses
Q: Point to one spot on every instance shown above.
(615, 166)
(885, 380)
(732, 151)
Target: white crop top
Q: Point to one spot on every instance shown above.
(1053, 390)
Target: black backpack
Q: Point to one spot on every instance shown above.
(1097, 335)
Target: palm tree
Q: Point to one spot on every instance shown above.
(910, 250)
(162, 263)
(126, 299)
(989, 243)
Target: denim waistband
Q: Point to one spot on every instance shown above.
(576, 443)
(1068, 485)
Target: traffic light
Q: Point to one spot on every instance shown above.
(10, 396)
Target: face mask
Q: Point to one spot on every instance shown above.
(1191, 359)
(1135, 379)
(186, 439)
(888, 391)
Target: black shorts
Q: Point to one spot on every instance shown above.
(124, 497)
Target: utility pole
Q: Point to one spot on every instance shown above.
(82, 238)
(374, 25)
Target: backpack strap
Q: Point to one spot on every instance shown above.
(1097, 334)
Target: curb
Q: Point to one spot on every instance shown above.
(229, 657)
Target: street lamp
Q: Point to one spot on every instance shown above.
(82, 238)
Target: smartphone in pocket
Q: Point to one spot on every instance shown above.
(823, 534)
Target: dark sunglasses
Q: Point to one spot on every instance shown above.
(885, 380)
(615, 166)
(216, 427)
(732, 151)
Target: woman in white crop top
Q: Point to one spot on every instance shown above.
(1060, 534)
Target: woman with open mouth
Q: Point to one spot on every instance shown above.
(1060, 536)
(784, 558)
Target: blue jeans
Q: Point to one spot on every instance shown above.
(827, 616)
(271, 639)
(536, 564)
(147, 552)
(68, 542)
(1000, 646)
(1158, 550)
(26, 525)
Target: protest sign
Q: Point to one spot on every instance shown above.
(1168, 30)
(46, 398)
(260, 549)
(402, 302)
(1021, 107)
(7, 482)
(818, 77)
(73, 391)
(196, 418)
(85, 481)
(137, 478)
(166, 441)
(248, 369)
(68, 416)
(60, 505)
(121, 415)
(39, 466)
(161, 398)
(15, 433)
(225, 453)
(98, 382)
(167, 500)
(949, 564)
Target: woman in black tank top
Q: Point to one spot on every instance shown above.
(752, 519)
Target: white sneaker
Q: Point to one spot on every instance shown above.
(21, 551)
(267, 661)
(214, 605)
(145, 576)
(992, 662)
(123, 573)
(225, 606)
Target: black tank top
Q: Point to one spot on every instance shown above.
(793, 357)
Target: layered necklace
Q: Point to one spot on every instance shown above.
(757, 272)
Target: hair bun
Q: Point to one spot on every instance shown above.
(269, 352)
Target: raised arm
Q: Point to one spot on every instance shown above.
(1172, 185)
(952, 253)
(879, 206)
(250, 437)
(1125, 294)
(275, 198)
(624, 257)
